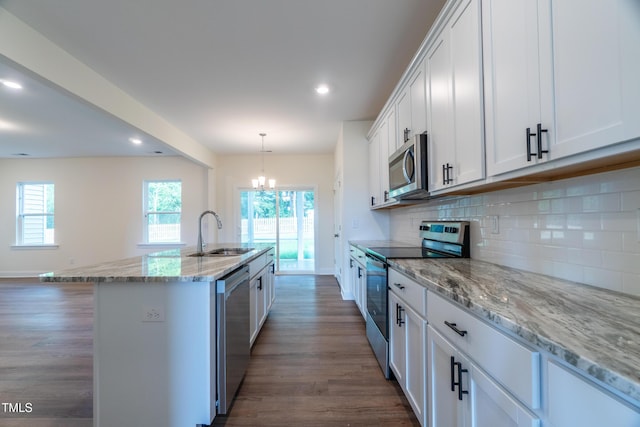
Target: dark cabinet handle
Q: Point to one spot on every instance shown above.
(350, 262)
(359, 272)
(459, 382)
(529, 153)
(453, 373)
(260, 283)
(373, 200)
(539, 134)
(398, 285)
(446, 174)
(399, 311)
(406, 134)
(455, 328)
(386, 196)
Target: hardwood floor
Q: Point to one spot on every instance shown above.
(46, 354)
(312, 365)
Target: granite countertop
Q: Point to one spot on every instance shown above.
(173, 265)
(595, 330)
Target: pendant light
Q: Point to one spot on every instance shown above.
(259, 183)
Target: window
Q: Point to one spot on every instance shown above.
(35, 220)
(162, 207)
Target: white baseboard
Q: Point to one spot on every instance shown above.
(19, 274)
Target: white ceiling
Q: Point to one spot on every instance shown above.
(222, 71)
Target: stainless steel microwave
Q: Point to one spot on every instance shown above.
(408, 170)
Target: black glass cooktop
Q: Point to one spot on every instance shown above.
(407, 252)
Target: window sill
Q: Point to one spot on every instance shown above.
(161, 245)
(34, 247)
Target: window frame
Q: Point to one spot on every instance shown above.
(21, 215)
(146, 212)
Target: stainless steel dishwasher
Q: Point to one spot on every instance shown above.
(232, 334)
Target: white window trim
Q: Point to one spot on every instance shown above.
(145, 213)
(19, 222)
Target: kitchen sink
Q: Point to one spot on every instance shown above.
(222, 252)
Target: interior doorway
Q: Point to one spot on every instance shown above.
(285, 219)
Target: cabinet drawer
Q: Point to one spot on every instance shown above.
(512, 364)
(257, 264)
(357, 254)
(411, 292)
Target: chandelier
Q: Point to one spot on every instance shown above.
(259, 183)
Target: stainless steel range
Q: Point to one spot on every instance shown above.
(440, 239)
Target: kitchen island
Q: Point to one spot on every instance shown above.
(154, 335)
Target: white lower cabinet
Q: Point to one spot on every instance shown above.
(358, 279)
(261, 294)
(575, 402)
(461, 394)
(407, 344)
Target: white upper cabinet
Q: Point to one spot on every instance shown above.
(454, 100)
(596, 69)
(411, 108)
(374, 170)
(517, 82)
(560, 78)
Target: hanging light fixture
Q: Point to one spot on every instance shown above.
(259, 183)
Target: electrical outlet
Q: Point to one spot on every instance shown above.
(153, 314)
(494, 224)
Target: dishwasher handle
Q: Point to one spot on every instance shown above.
(231, 281)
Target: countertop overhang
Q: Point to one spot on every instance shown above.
(172, 265)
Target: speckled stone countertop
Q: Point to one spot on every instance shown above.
(595, 330)
(174, 265)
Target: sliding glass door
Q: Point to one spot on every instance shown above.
(285, 219)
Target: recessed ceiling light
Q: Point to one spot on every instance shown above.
(322, 89)
(136, 141)
(11, 84)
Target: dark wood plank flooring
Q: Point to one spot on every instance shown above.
(312, 365)
(46, 353)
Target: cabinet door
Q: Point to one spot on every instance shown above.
(416, 363)
(446, 410)
(403, 108)
(466, 68)
(492, 406)
(374, 170)
(397, 339)
(418, 101)
(253, 310)
(574, 402)
(363, 291)
(439, 111)
(517, 84)
(261, 296)
(383, 166)
(393, 142)
(596, 64)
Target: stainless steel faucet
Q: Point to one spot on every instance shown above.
(201, 243)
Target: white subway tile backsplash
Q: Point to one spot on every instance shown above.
(584, 229)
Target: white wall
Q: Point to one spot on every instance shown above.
(357, 221)
(585, 229)
(98, 208)
(235, 172)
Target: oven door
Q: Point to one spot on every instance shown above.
(377, 294)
